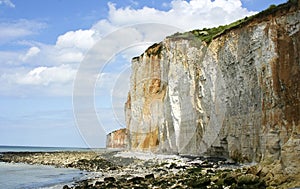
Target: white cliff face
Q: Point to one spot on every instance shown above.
(117, 139)
(236, 97)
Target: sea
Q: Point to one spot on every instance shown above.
(24, 176)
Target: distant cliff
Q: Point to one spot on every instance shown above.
(234, 93)
(117, 139)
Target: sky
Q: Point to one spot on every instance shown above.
(65, 64)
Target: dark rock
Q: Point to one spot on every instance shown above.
(150, 176)
(192, 158)
(165, 184)
(111, 185)
(83, 184)
(160, 170)
(113, 168)
(163, 164)
(137, 180)
(215, 186)
(109, 179)
(229, 179)
(207, 165)
(199, 182)
(195, 170)
(90, 186)
(79, 187)
(220, 182)
(66, 187)
(172, 166)
(122, 180)
(99, 183)
(247, 179)
(216, 159)
(175, 166)
(181, 167)
(182, 181)
(196, 164)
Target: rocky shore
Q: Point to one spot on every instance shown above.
(89, 161)
(144, 170)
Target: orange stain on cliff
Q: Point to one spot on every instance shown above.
(117, 139)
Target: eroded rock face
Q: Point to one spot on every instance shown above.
(237, 96)
(117, 139)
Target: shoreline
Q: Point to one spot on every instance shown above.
(23, 175)
(125, 169)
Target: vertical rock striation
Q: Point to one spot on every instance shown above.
(237, 96)
(117, 139)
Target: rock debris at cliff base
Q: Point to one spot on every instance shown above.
(112, 170)
(146, 170)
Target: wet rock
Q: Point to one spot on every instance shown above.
(83, 185)
(278, 180)
(79, 187)
(207, 165)
(111, 185)
(150, 176)
(99, 183)
(220, 182)
(173, 166)
(195, 170)
(137, 180)
(161, 170)
(199, 182)
(215, 186)
(166, 185)
(229, 179)
(216, 159)
(210, 171)
(109, 179)
(247, 179)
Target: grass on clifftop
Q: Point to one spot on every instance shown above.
(208, 35)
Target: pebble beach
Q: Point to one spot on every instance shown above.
(122, 169)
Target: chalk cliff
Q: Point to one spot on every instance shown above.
(117, 139)
(236, 95)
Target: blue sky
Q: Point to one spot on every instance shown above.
(43, 43)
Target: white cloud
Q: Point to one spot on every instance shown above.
(182, 14)
(47, 75)
(81, 39)
(33, 51)
(71, 46)
(103, 27)
(69, 56)
(19, 28)
(9, 58)
(7, 3)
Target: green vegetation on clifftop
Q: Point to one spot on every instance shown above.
(207, 35)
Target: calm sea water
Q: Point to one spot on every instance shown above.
(15, 176)
(38, 149)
